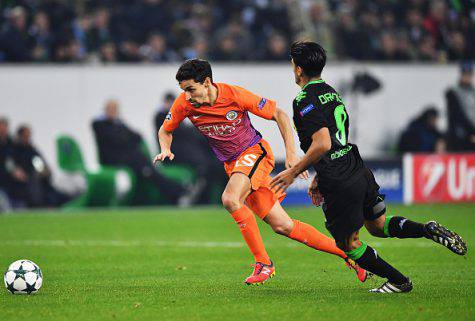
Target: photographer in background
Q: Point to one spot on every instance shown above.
(37, 190)
(422, 134)
(461, 111)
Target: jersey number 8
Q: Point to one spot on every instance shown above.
(340, 118)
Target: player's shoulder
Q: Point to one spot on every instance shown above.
(230, 91)
(312, 92)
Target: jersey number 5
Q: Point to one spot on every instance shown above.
(247, 160)
(340, 118)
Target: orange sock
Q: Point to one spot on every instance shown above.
(310, 236)
(250, 231)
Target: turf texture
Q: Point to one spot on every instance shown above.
(189, 264)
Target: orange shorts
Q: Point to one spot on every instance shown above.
(257, 162)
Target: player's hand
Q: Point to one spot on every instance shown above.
(283, 180)
(314, 193)
(291, 160)
(162, 156)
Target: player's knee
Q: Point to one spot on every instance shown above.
(349, 244)
(354, 244)
(376, 227)
(230, 202)
(283, 228)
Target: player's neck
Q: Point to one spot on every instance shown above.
(212, 94)
(305, 80)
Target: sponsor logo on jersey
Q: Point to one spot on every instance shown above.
(306, 110)
(262, 103)
(231, 115)
(219, 129)
(169, 116)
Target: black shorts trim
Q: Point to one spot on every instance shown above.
(264, 154)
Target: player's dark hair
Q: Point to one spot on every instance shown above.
(196, 69)
(309, 56)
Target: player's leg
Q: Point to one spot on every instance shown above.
(301, 232)
(236, 191)
(265, 203)
(344, 213)
(381, 225)
(368, 258)
(306, 234)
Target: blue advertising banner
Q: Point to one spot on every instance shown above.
(388, 174)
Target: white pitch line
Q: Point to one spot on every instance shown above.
(184, 244)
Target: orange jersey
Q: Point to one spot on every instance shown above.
(226, 124)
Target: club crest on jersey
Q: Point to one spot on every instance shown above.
(231, 115)
(262, 103)
(306, 110)
(169, 116)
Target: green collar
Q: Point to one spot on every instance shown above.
(318, 81)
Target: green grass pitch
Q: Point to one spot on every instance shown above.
(176, 264)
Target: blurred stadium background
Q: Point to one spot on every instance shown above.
(398, 64)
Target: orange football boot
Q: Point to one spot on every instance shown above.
(261, 273)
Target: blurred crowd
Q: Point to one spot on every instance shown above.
(234, 30)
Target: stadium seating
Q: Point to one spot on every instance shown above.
(102, 185)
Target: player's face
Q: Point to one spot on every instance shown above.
(297, 72)
(196, 93)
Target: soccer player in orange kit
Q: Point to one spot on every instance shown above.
(220, 112)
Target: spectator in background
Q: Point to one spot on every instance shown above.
(118, 145)
(227, 50)
(156, 49)
(38, 190)
(390, 51)
(6, 163)
(44, 39)
(276, 48)
(100, 33)
(80, 29)
(15, 42)
(458, 49)
(129, 51)
(415, 28)
(199, 49)
(108, 53)
(193, 150)
(11, 175)
(427, 50)
(461, 111)
(422, 134)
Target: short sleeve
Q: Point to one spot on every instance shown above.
(255, 104)
(313, 117)
(176, 115)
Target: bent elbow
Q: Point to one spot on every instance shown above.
(327, 145)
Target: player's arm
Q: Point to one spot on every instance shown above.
(165, 133)
(283, 122)
(267, 109)
(321, 144)
(165, 139)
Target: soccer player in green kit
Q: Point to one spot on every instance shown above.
(350, 192)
